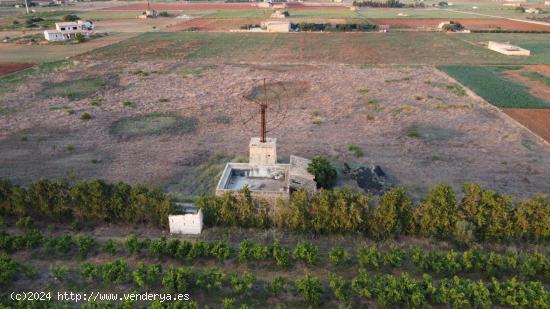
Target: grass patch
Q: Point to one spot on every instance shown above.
(153, 124)
(489, 83)
(223, 119)
(86, 116)
(6, 111)
(190, 72)
(536, 76)
(357, 150)
(73, 89)
(431, 133)
(128, 104)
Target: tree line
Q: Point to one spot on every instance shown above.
(85, 201)
(480, 215)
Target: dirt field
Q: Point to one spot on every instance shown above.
(537, 87)
(537, 120)
(457, 139)
(214, 24)
(7, 68)
(473, 24)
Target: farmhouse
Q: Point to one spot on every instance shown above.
(190, 222)
(68, 30)
(264, 177)
(508, 49)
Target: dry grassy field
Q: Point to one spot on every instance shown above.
(173, 123)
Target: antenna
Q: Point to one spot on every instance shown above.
(268, 98)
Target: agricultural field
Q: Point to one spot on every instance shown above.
(101, 140)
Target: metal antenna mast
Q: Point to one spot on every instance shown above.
(263, 108)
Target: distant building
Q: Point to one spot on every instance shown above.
(264, 177)
(67, 30)
(190, 222)
(149, 14)
(508, 49)
(277, 26)
(534, 11)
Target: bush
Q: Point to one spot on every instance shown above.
(221, 250)
(210, 279)
(393, 216)
(85, 244)
(24, 223)
(310, 288)
(306, 252)
(358, 151)
(8, 270)
(339, 256)
(281, 255)
(111, 247)
(340, 287)
(322, 170)
(79, 37)
(164, 14)
(71, 17)
(60, 272)
(178, 279)
(279, 285)
(59, 246)
(115, 272)
(146, 276)
(85, 116)
(241, 284)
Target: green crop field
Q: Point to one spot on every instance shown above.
(489, 83)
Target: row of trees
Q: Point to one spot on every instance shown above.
(96, 201)
(388, 290)
(532, 265)
(481, 214)
(329, 27)
(379, 4)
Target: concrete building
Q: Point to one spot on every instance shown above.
(264, 177)
(508, 49)
(190, 222)
(68, 30)
(148, 14)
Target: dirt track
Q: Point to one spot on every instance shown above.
(7, 68)
(473, 24)
(537, 120)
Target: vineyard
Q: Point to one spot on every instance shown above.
(48, 237)
(258, 275)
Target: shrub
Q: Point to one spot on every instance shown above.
(79, 37)
(24, 223)
(110, 246)
(322, 170)
(339, 256)
(133, 245)
(85, 116)
(281, 255)
(8, 270)
(241, 284)
(178, 279)
(59, 246)
(89, 272)
(306, 252)
(164, 14)
(310, 288)
(358, 151)
(146, 275)
(393, 216)
(115, 272)
(369, 257)
(210, 279)
(221, 250)
(85, 244)
(70, 17)
(278, 285)
(60, 272)
(340, 287)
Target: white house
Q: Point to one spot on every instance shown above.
(67, 30)
(191, 222)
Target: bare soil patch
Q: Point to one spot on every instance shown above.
(473, 24)
(536, 87)
(7, 68)
(537, 120)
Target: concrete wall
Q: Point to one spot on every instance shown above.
(186, 224)
(262, 153)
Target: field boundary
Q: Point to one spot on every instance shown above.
(497, 109)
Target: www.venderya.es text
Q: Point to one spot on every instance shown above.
(93, 296)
